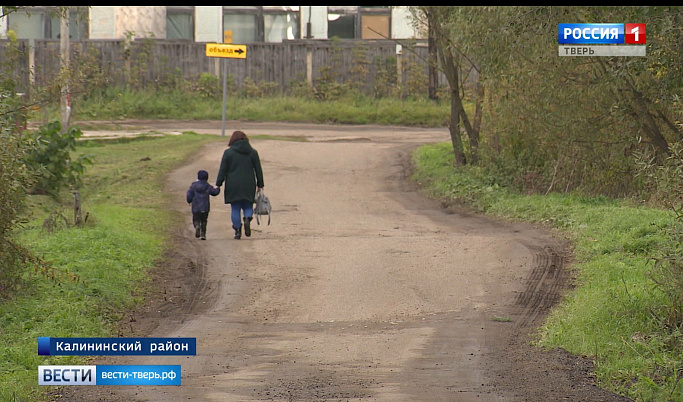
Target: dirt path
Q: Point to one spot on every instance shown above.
(359, 289)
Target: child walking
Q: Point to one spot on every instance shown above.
(198, 197)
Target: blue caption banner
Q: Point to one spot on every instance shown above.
(109, 375)
(590, 34)
(116, 346)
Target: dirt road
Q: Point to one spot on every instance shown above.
(360, 289)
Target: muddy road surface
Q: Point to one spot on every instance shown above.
(359, 289)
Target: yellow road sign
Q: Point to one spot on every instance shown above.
(222, 50)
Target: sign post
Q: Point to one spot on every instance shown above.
(225, 51)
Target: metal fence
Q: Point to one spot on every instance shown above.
(368, 65)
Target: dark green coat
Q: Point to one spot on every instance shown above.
(241, 171)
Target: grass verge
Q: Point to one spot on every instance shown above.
(192, 106)
(99, 269)
(611, 314)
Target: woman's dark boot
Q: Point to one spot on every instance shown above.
(238, 232)
(247, 226)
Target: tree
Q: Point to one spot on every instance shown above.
(65, 95)
(555, 122)
(453, 62)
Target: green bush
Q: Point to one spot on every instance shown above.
(259, 90)
(15, 179)
(663, 178)
(50, 159)
(668, 275)
(211, 87)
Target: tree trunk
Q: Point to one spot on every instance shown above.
(476, 125)
(65, 98)
(454, 128)
(649, 124)
(640, 108)
(457, 110)
(431, 43)
(450, 63)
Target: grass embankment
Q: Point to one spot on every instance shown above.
(97, 267)
(610, 315)
(192, 106)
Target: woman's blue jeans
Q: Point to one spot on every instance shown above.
(236, 212)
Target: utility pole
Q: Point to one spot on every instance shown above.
(65, 95)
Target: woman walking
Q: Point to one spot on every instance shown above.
(241, 171)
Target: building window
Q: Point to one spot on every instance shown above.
(341, 21)
(240, 28)
(375, 22)
(180, 22)
(44, 23)
(365, 22)
(280, 23)
(27, 25)
(245, 24)
(241, 24)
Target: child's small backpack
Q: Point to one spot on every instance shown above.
(262, 206)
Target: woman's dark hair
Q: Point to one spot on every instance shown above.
(236, 136)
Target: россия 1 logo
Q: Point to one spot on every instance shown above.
(634, 34)
(601, 34)
(601, 39)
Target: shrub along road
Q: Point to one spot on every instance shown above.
(360, 287)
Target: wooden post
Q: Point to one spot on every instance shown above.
(31, 64)
(78, 218)
(309, 65)
(399, 65)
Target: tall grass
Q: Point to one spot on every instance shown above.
(193, 106)
(100, 269)
(611, 314)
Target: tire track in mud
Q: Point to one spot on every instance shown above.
(203, 293)
(544, 286)
(182, 291)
